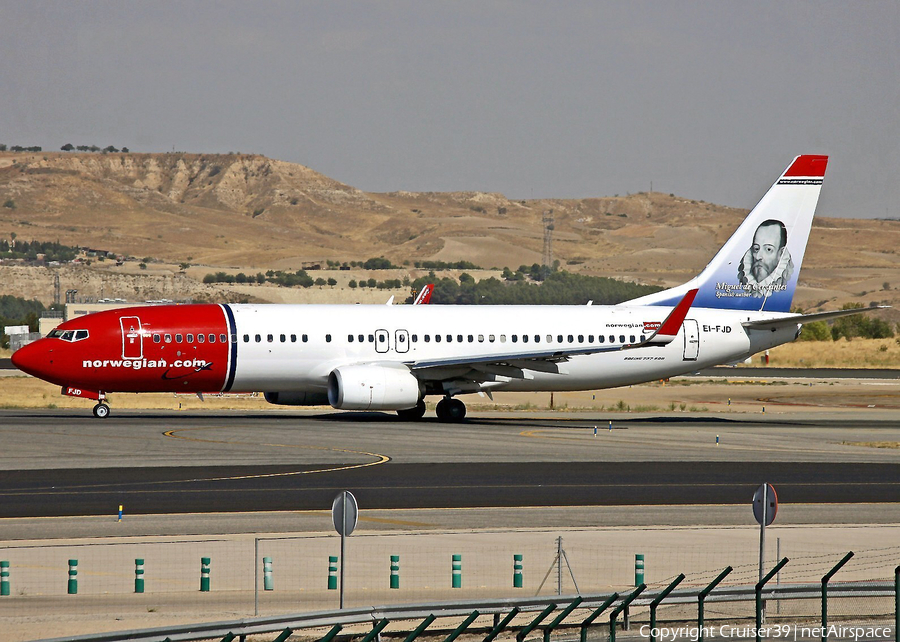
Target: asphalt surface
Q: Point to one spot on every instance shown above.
(158, 490)
(62, 463)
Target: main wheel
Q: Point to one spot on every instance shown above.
(414, 413)
(456, 410)
(101, 411)
(451, 410)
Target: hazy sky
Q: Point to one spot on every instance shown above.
(708, 100)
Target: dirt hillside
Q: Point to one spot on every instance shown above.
(254, 213)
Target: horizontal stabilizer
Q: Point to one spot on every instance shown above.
(800, 319)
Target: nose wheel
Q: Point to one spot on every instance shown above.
(101, 411)
(451, 410)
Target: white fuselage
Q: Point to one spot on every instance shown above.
(295, 347)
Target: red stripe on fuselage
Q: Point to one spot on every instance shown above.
(109, 361)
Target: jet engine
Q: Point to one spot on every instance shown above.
(369, 387)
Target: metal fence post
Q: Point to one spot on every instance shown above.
(593, 616)
(701, 598)
(759, 602)
(501, 625)
(331, 634)
(533, 624)
(638, 569)
(456, 581)
(517, 571)
(462, 627)
(378, 628)
(656, 602)
(624, 605)
(4, 577)
(825, 579)
(283, 636)
(897, 604)
(562, 616)
(419, 629)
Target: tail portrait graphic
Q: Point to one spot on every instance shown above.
(767, 266)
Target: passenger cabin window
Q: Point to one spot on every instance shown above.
(305, 338)
(427, 338)
(632, 338)
(283, 338)
(168, 338)
(621, 338)
(361, 338)
(437, 338)
(212, 338)
(327, 338)
(201, 338)
(258, 338)
(350, 338)
(293, 338)
(502, 338)
(559, 338)
(515, 338)
(179, 338)
(190, 338)
(480, 338)
(459, 338)
(415, 338)
(491, 338)
(156, 338)
(580, 338)
(269, 338)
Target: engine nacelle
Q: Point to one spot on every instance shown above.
(372, 388)
(297, 398)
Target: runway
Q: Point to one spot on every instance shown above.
(58, 463)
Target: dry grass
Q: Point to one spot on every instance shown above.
(874, 444)
(858, 353)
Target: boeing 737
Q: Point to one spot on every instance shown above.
(387, 357)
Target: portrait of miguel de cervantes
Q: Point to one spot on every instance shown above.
(767, 266)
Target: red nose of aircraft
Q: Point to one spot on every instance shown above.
(35, 359)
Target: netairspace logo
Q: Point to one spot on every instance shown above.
(138, 364)
(791, 632)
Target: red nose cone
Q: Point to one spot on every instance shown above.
(33, 359)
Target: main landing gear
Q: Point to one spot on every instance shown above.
(413, 414)
(450, 410)
(101, 410)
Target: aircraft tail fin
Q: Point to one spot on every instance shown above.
(758, 267)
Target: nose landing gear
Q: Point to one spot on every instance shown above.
(451, 410)
(101, 410)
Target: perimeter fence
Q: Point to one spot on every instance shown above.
(175, 580)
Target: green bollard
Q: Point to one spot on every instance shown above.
(457, 571)
(638, 569)
(395, 571)
(332, 572)
(73, 577)
(138, 575)
(4, 578)
(268, 583)
(204, 574)
(517, 571)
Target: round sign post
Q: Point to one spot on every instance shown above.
(344, 516)
(765, 506)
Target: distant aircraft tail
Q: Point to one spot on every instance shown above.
(758, 267)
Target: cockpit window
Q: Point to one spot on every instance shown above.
(68, 335)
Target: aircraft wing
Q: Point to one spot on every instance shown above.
(794, 319)
(544, 360)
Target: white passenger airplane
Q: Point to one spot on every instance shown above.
(377, 357)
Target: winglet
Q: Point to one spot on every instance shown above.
(670, 327)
